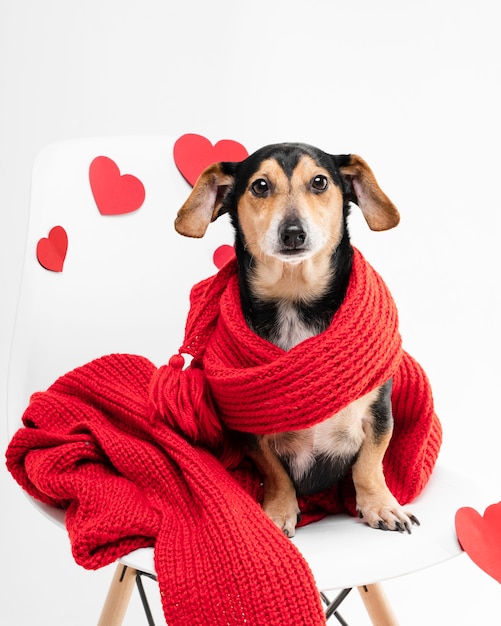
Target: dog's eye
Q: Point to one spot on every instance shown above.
(319, 183)
(260, 187)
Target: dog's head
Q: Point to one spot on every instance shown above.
(287, 200)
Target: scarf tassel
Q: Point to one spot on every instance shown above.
(181, 397)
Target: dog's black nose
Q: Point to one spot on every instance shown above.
(292, 235)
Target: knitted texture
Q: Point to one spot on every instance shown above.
(247, 375)
(127, 480)
(138, 455)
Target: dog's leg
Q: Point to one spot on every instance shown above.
(279, 502)
(375, 503)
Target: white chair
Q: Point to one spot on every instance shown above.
(121, 276)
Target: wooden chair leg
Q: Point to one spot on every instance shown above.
(377, 605)
(119, 593)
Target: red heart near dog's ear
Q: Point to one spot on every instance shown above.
(379, 211)
(204, 203)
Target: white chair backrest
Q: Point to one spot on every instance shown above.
(126, 277)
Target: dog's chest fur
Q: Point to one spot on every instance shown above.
(318, 456)
(290, 329)
(321, 455)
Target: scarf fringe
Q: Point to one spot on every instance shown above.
(182, 398)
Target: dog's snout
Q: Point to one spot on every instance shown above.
(292, 235)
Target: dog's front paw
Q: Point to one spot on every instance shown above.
(385, 513)
(285, 514)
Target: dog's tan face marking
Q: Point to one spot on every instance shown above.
(291, 198)
(308, 198)
(291, 216)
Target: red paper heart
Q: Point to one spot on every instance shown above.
(222, 255)
(193, 153)
(114, 193)
(480, 537)
(51, 250)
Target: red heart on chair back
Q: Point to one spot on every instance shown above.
(222, 255)
(480, 537)
(51, 250)
(114, 193)
(193, 153)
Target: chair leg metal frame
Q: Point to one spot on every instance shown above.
(122, 585)
(142, 595)
(119, 593)
(332, 606)
(374, 599)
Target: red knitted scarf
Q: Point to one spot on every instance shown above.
(138, 455)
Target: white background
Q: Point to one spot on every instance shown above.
(414, 89)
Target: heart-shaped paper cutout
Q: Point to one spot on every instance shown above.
(480, 537)
(51, 250)
(114, 193)
(193, 153)
(222, 255)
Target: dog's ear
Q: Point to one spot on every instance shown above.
(379, 211)
(204, 203)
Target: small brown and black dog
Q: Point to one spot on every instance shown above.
(289, 205)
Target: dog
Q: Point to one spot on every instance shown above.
(289, 205)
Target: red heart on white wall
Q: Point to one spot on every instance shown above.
(51, 250)
(480, 537)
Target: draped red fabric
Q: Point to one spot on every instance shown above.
(138, 455)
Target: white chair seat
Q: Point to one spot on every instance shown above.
(343, 552)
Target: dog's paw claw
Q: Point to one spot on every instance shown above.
(387, 514)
